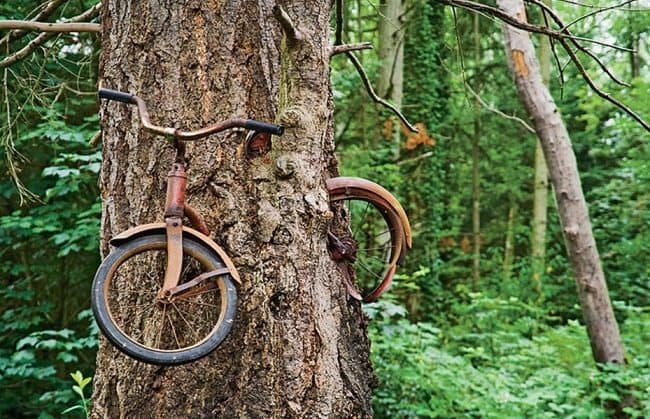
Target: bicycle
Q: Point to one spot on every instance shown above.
(188, 311)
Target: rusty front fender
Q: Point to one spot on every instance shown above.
(159, 228)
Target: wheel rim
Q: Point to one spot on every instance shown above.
(376, 242)
(131, 299)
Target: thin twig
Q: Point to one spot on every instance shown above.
(583, 72)
(344, 48)
(497, 111)
(373, 95)
(29, 25)
(43, 37)
(414, 159)
(595, 12)
(341, 48)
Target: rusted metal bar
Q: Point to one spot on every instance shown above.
(185, 290)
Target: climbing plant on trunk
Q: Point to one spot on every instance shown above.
(298, 346)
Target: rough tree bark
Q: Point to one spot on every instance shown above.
(583, 255)
(298, 346)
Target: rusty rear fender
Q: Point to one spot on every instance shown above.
(370, 190)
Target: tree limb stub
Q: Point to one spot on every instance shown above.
(292, 32)
(341, 48)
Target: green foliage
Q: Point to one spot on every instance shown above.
(83, 403)
(499, 362)
(49, 243)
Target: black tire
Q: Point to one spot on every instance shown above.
(115, 286)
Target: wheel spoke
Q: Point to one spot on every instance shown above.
(361, 220)
(202, 304)
(171, 323)
(161, 327)
(367, 268)
(192, 329)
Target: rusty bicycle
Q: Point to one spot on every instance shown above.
(181, 284)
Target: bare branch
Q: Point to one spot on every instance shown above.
(598, 91)
(42, 15)
(373, 95)
(43, 37)
(290, 29)
(497, 111)
(583, 72)
(341, 48)
(28, 25)
(547, 10)
(528, 27)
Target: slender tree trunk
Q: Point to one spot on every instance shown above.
(476, 209)
(509, 248)
(540, 191)
(362, 105)
(391, 56)
(476, 180)
(298, 346)
(634, 48)
(599, 317)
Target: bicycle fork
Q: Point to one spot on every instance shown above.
(174, 210)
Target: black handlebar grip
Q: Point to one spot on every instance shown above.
(115, 95)
(264, 127)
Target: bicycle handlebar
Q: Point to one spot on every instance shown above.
(188, 135)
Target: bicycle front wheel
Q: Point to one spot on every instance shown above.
(130, 312)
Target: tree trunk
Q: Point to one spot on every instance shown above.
(298, 346)
(476, 180)
(391, 57)
(509, 247)
(540, 191)
(599, 317)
